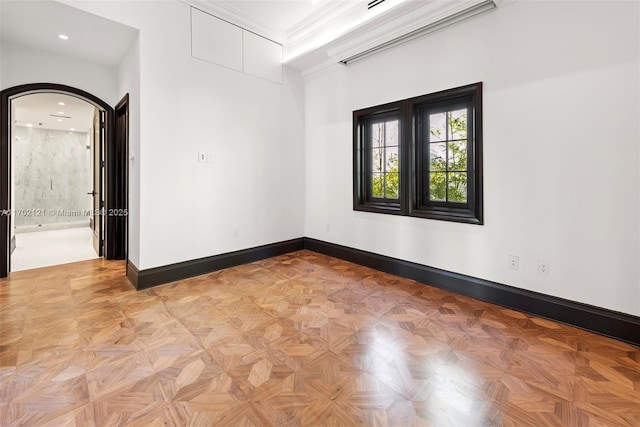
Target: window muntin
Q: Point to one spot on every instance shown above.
(446, 165)
(383, 146)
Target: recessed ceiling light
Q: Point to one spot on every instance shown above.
(59, 120)
(72, 129)
(29, 125)
(61, 103)
(60, 112)
(63, 37)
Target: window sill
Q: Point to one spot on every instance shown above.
(455, 215)
(379, 208)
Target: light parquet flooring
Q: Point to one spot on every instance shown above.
(300, 339)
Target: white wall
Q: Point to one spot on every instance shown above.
(129, 82)
(252, 128)
(561, 156)
(23, 64)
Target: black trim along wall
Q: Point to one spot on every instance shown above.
(143, 279)
(621, 326)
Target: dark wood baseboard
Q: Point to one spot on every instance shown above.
(13, 244)
(132, 273)
(621, 326)
(143, 279)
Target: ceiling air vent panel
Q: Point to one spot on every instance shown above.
(374, 3)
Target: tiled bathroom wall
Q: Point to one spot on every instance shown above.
(52, 179)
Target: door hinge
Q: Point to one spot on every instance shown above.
(102, 163)
(102, 203)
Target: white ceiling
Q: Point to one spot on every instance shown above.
(38, 23)
(42, 110)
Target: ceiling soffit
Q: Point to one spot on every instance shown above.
(340, 31)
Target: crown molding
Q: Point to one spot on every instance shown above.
(321, 69)
(501, 3)
(398, 23)
(228, 13)
(402, 23)
(331, 21)
(329, 14)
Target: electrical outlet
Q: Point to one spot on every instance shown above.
(544, 268)
(514, 262)
(236, 233)
(202, 157)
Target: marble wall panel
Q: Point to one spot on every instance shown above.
(52, 178)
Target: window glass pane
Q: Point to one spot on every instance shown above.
(457, 186)
(391, 186)
(437, 186)
(391, 159)
(376, 160)
(458, 156)
(437, 127)
(385, 160)
(391, 133)
(437, 156)
(458, 124)
(377, 185)
(377, 135)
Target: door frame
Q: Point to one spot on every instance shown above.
(114, 172)
(97, 175)
(118, 151)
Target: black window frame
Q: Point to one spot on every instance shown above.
(414, 157)
(362, 164)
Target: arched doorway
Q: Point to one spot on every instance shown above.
(113, 169)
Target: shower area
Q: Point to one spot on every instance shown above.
(52, 172)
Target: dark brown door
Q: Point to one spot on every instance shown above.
(119, 196)
(97, 193)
